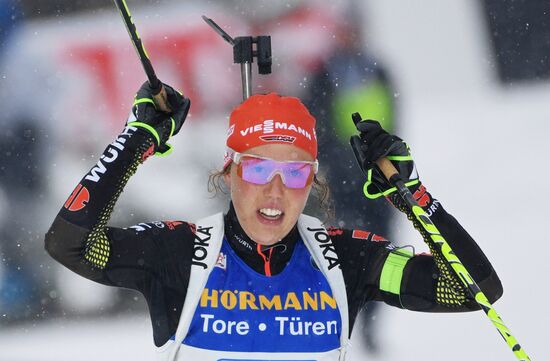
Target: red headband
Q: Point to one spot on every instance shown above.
(268, 119)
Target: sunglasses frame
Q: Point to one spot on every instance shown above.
(236, 158)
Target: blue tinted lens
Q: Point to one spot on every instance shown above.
(296, 175)
(261, 171)
(256, 170)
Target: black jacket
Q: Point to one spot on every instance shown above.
(155, 258)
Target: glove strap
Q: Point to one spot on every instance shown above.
(375, 195)
(400, 158)
(144, 100)
(162, 149)
(147, 127)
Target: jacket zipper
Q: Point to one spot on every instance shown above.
(267, 264)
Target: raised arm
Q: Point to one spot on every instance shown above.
(79, 237)
(423, 282)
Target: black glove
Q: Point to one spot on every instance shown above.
(162, 126)
(373, 143)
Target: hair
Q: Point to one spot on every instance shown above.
(321, 191)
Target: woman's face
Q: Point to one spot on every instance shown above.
(268, 212)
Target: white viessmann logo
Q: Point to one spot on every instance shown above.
(270, 126)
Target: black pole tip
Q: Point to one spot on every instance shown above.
(356, 117)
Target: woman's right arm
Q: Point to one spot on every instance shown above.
(79, 237)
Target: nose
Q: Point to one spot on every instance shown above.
(275, 188)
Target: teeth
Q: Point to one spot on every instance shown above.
(270, 212)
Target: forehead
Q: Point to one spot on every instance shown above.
(282, 152)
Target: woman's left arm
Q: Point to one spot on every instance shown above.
(428, 282)
(376, 270)
(423, 282)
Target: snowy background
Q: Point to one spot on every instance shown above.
(480, 147)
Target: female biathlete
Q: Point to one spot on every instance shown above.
(261, 281)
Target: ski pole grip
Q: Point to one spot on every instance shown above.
(161, 98)
(387, 168)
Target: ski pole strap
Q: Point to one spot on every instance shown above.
(392, 272)
(371, 191)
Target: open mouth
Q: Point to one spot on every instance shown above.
(271, 214)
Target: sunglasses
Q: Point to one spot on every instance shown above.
(261, 170)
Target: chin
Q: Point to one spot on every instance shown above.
(265, 238)
(268, 235)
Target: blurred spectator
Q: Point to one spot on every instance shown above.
(9, 17)
(351, 81)
(22, 183)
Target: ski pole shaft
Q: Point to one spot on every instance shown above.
(159, 93)
(443, 247)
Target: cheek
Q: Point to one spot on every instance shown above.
(299, 198)
(239, 188)
(241, 193)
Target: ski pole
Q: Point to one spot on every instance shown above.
(443, 247)
(159, 93)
